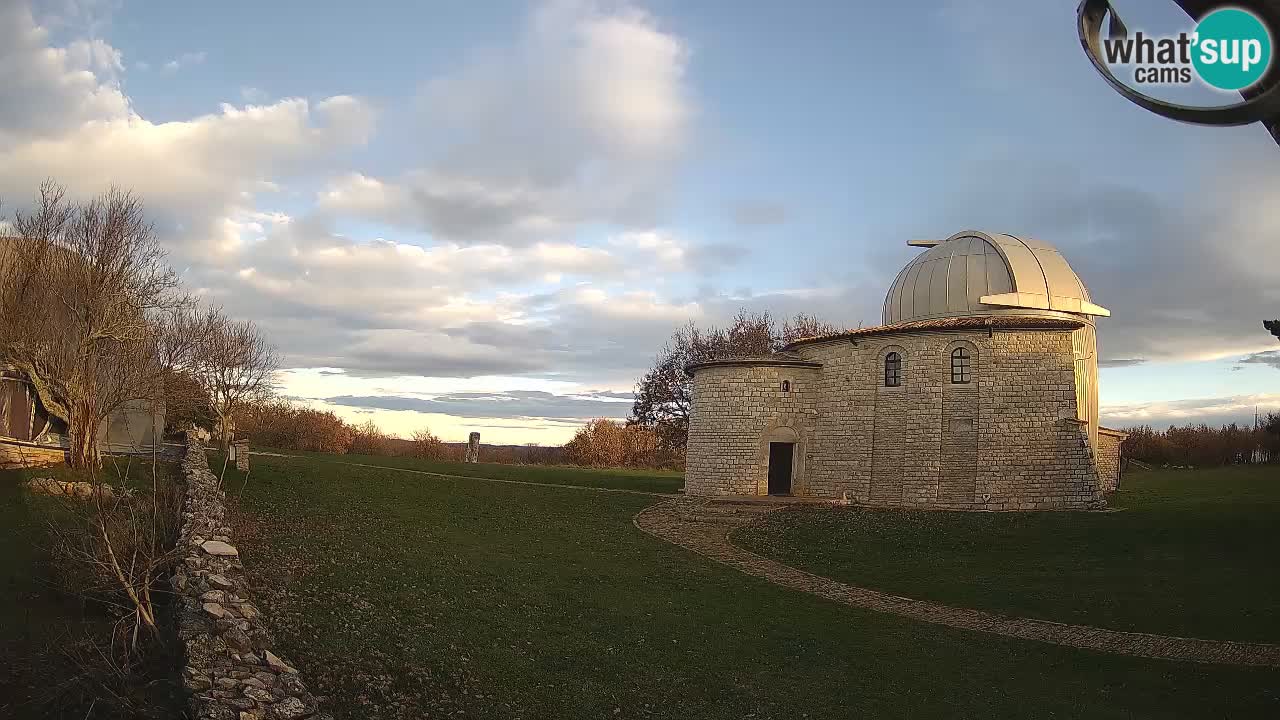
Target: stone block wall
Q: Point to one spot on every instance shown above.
(231, 669)
(735, 410)
(1034, 452)
(1008, 440)
(1109, 445)
(911, 445)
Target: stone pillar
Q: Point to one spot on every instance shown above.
(473, 448)
(240, 450)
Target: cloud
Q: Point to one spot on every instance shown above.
(44, 90)
(1270, 357)
(62, 117)
(385, 308)
(1121, 362)
(253, 95)
(510, 404)
(583, 121)
(1187, 272)
(1171, 227)
(1214, 411)
(186, 59)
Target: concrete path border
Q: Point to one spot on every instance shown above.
(665, 521)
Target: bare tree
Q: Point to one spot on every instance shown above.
(182, 339)
(237, 366)
(664, 396)
(79, 291)
(804, 325)
(427, 446)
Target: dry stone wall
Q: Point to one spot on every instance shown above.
(1008, 440)
(1109, 444)
(231, 669)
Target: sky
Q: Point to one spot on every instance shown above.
(490, 216)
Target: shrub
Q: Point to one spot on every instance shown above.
(428, 446)
(608, 443)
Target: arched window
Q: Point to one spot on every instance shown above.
(961, 366)
(892, 370)
(786, 386)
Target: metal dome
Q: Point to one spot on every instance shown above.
(977, 273)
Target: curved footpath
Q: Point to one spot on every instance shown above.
(679, 522)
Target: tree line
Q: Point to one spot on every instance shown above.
(1202, 445)
(281, 424)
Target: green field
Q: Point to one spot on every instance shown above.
(408, 596)
(1190, 553)
(658, 481)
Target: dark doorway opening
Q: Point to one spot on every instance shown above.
(780, 457)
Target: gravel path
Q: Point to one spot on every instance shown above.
(682, 524)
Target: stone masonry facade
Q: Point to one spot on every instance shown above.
(1109, 445)
(231, 669)
(1008, 440)
(735, 410)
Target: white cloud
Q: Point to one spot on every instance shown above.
(95, 55)
(1212, 411)
(584, 120)
(44, 90)
(506, 286)
(253, 95)
(186, 59)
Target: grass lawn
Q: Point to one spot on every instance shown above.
(1191, 552)
(40, 621)
(658, 481)
(406, 596)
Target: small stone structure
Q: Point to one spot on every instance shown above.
(1109, 445)
(240, 451)
(979, 392)
(231, 670)
(473, 448)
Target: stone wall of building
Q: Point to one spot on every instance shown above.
(1109, 444)
(737, 410)
(231, 669)
(1008, 440)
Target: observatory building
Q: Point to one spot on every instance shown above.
(979, 392)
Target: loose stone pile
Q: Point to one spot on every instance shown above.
(231, 670)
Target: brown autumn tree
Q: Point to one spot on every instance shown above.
(664, 395)
(608, 443)
(278, 423)
(182, 342)
(236, 366)
(80, 288)
(427, 446)
(369, 439)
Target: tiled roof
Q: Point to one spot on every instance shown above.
(1003, 322)
(776, 360)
